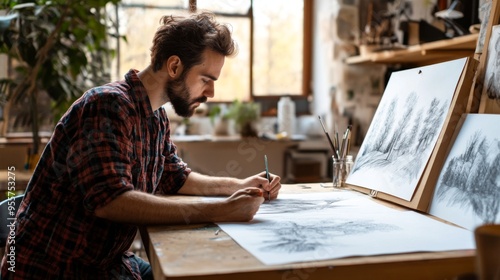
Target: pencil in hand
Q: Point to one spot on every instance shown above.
(267, 176)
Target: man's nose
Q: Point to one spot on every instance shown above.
(210, 90)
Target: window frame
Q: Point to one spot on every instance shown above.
(306, 48)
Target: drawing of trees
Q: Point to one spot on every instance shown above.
(412, 135)
(376, 125)
(402, 135)
(387, 119)
(473, 181)
(493, 67)
(292, 237)
(296, 206)
(431, 123)
(399, 132)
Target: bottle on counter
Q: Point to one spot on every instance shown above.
(286, 116)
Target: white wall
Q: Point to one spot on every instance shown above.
(343, 94)
(322, 55)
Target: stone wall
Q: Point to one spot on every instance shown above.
(349, 94)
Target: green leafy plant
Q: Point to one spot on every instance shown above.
(55, 47)
(214, 112)
(245, 114)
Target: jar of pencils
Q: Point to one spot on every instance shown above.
(341, 169)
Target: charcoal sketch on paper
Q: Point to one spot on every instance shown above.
(405, 128)
(296, 205)
(484, 17)
(350, 226)
(292, 237)
(468, 188)
(492, 72)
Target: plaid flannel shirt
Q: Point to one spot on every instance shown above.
(109, 142)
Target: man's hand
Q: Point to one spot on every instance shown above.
(271, 189)
(242, 205)
(198, 184)
(136, 207)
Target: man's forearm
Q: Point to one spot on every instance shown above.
(198, 184)
(141, 208)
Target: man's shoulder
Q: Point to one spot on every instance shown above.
(112, 92)
(115, 89)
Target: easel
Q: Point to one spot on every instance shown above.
(479, 102)
(424, 191)
(470, 97)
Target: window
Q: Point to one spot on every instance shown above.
(272, 55)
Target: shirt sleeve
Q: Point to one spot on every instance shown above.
(98, 160)
(175, 170)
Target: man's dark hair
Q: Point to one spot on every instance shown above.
(188, 37)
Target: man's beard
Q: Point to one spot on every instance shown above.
(178, 94)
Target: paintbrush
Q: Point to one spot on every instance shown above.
(329, 139)
(345, 142)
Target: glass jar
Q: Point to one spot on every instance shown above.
(341, 169)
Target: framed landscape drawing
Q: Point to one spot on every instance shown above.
(468, 189)
(486, 97)
(492, 71)
(406, 143)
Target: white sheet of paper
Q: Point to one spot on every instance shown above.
(405, 128)
(468, 189)
(320, 226)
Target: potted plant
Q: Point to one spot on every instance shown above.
(58, 48)
(245, 116)
(219, 118)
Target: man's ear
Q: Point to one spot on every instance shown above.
(174, 67)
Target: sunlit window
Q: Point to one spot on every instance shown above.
(276, 52)
(277, 47)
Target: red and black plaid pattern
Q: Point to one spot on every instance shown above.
(109, 142)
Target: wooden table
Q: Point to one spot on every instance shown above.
(203, 251)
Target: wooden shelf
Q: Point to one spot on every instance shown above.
(423, 54)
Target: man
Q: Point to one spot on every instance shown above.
(112, 151)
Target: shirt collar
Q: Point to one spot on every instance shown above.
(139, 94)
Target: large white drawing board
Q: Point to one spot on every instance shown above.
(320, 226)
(405, 128)
(468, 188)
